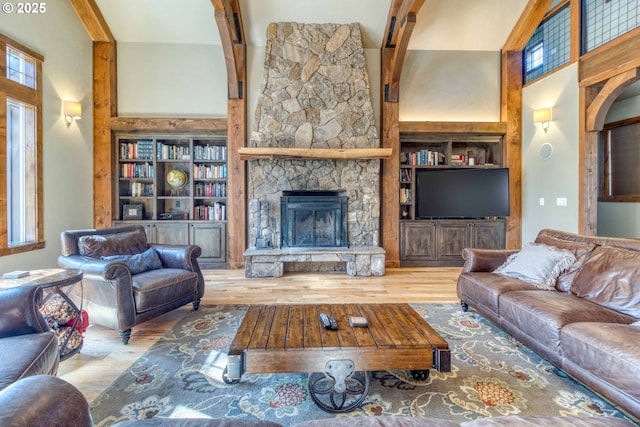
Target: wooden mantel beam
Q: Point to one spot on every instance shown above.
(400, 24)
(229, 21)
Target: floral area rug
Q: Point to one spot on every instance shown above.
(491, 374)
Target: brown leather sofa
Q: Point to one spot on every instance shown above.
(588, 325)
(127, 280)
(27, 345)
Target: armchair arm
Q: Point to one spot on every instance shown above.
(484, 259)
(19, 314)
(178, 256)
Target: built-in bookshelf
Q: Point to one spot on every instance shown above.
(439, 241)
(171, 178)
(175, 186)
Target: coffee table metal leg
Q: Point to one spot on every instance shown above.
(339, 388)
(233, 371)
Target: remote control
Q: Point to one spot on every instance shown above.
(328, 322)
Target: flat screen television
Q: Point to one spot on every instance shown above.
(462, 193)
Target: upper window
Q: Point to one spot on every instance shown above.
(603, 21)
(549, 47)
(21, 134)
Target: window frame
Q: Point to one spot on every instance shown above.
(21, 93)
(604, 192)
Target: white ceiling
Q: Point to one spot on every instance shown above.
(484, 25)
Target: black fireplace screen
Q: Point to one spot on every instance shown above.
(313, 218)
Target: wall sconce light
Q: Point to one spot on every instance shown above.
(72, 111)
(542, 116)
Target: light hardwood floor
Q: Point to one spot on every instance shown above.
(103, 357)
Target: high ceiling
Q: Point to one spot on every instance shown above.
(484, 25)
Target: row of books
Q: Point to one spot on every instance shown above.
(210, 171)
(405, 175)
(423, 157)
(215, 212)
(406, 195)
(210, 152)
(141, 149)
(137, 170)
(140, 189)
(211, 189)
(172, 152)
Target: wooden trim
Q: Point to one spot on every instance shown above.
(511, 113)
(104, 107)
(497, 128)
(397, 41)
(597, 110)
(229, 22)
(236, 183)
(533, 14)
(610, 59)
(22, 48)
(93, 21)
(169, 124)
(575, 19)
(588, 170)
(254, 153)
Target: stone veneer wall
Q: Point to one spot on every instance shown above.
(316, 95)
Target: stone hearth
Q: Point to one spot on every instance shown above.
(316, 95)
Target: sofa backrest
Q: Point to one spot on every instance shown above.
(95, 243)
(606, 271)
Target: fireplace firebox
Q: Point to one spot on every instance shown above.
(313, 218)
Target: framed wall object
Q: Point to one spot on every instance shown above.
(132, 212)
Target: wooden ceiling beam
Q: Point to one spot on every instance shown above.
(533, 14)
(93, 21)
(229, 22)
(400, 24)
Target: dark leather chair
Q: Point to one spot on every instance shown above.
(27, 345)
(115, 293)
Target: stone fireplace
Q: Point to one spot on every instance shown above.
(316, 96)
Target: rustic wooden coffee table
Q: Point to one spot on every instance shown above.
(290, 338)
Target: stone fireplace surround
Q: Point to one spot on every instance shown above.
(315, 96)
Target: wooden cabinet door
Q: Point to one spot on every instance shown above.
(170, 233)
(417, 241)
(453, 237)
(488, 234)
(212, 239)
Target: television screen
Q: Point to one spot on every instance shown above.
(462, 193)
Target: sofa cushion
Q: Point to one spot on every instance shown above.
(580, 250)
(538, 264)
(542, 318)
(99, 245)
(485, 288)
(608, 351)
(155, 288)
(611, 277)
(139, 263)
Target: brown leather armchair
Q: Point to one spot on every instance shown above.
(127, 280)
(27, 345)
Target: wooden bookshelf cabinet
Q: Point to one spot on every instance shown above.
(439, 242)
(176, 186)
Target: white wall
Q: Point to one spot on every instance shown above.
(171, 80)
(556, 177)
(620, 219)
(67, 152)
(450, 86)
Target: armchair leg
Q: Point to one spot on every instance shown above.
(196, 304)
(124, 336)
(464, 305)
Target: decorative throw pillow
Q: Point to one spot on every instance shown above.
(538, 264)
(139, 263)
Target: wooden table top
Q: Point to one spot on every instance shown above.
(46, 278)
(290, 338)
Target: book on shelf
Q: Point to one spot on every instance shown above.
(136, 150)
(405, 195)
(458, 159)
(213, 212)
(210, 152)
(405, 175)
(424, 158)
